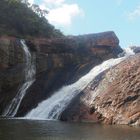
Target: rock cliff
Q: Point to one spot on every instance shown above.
(58, 62)
(113, 97)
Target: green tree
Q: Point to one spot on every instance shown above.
(19, 19)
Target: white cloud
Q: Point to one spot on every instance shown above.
(54, 2)
(64, 15)
(134, 14)
(119, 2)
(31, 1)
(43, 7)
(60, 12)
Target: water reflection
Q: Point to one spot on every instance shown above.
(54, 130)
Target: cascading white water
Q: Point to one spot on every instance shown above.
(55, 105)
(129, 51)
(29, 71)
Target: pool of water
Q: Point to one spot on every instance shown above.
(16, 129)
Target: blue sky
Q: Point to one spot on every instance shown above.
(92, 16)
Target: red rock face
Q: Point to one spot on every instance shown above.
(59, 61)
(120, 102)
(117, 100)
(62, 61)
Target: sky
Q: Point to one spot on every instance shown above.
(76, 17)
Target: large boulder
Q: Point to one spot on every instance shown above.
(113, 97)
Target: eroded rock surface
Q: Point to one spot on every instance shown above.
(113, 97)
(59, 61)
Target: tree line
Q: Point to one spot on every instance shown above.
(19, 18)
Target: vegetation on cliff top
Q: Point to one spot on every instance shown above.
(19, 19)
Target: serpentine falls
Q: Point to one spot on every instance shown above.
(52, 107)
(29, 73)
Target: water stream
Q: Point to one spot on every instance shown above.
(52, 107)
(29, 72)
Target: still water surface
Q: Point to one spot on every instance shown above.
(55, 130)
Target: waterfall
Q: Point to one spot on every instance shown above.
(52, 107)
(29, 73)
(128, 51)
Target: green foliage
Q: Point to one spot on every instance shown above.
(18, 19)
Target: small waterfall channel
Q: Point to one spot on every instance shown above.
(52, 107)
(29, 72)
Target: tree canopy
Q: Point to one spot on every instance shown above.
(18, 18)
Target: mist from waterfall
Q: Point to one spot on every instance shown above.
(29, 72)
